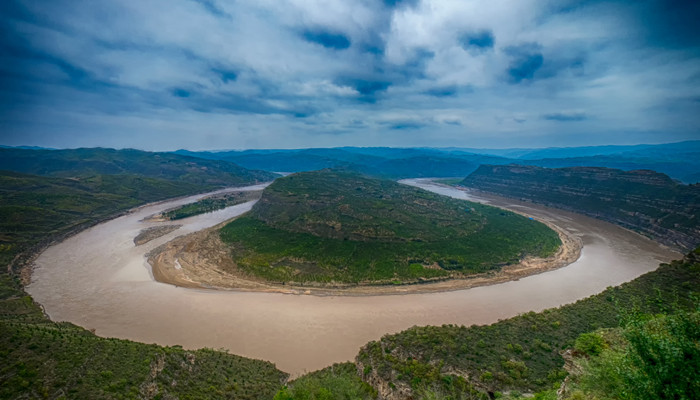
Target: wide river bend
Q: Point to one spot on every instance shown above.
(100, 280)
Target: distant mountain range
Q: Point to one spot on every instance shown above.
(681, 161)
(98, 161)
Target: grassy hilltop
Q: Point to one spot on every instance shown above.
(331, 226)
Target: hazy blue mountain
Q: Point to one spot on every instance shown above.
(666, 149)
(681, 161)
(685, 167)
(377, 161)
(26, 147)
(99, 161)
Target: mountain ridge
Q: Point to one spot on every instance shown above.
(642, 200)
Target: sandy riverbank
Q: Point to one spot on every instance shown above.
(201, 260)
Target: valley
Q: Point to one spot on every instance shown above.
(324, 329)
(349, 200)
(100, 279)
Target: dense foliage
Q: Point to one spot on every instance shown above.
(645, 201)
(331, 226)
(651, 357)
(34, 208)
(520, 353)
(210, 204)
(337, 382)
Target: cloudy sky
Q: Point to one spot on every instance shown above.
(232, 74)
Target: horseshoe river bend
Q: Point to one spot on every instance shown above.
(100, 280)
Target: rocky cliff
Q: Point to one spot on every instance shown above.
(645, 201)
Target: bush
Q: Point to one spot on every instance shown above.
(590, 344)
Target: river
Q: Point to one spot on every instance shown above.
(100, 280)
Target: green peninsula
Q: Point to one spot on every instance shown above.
(329, 226)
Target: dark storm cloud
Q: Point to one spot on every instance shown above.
(479, 40)
(665, 23)
(327, 39)
(442, 91)
(226, 76)
(368, 88)
(401, 3)
(525, 61)
(178, 92)
(405, 124)
(674, 23)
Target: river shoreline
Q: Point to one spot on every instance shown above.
(193, 261)
(98, 279)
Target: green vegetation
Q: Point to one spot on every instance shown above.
(449, 181)
(98, 161)
(43, 359)
(337, 382)
(523, 353)
(35, 209)
(650, 357)
(210, 204)
(653, 355)
(646, 201)
(330, 226)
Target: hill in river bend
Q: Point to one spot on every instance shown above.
(645, 201)
(330, 226)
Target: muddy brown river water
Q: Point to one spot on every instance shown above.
(100, 280)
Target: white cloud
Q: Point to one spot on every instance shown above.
(251, 75)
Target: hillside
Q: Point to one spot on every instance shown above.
(43, 359)
(99, 161)
(655, 357)
(331, 226)
(645, 201)
(37, 208)
(517, 354)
